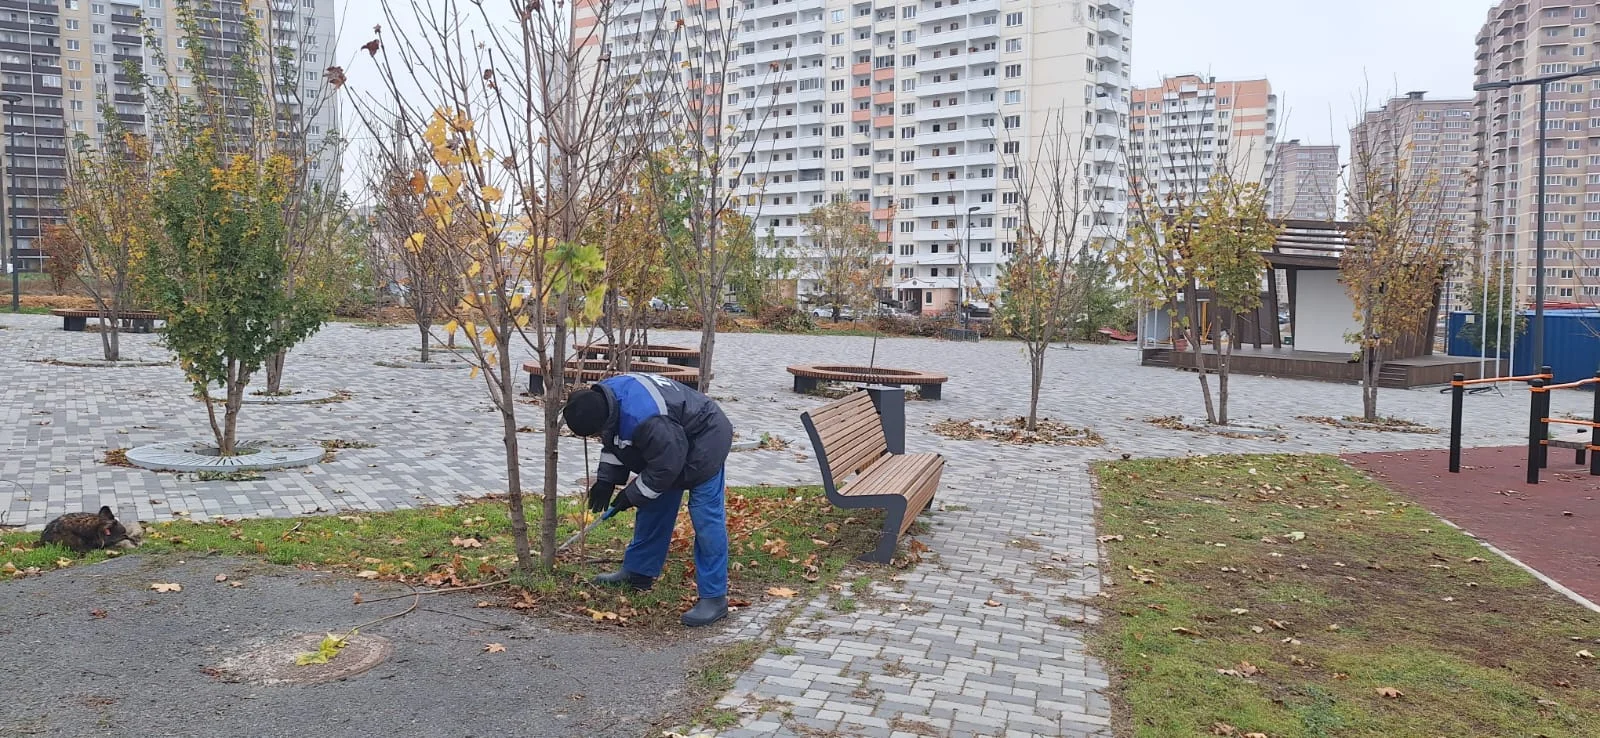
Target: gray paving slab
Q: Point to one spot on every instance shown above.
(926, 654)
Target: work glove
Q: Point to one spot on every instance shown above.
(629, 496)
(599, 493)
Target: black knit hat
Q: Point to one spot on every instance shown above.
(586, 412)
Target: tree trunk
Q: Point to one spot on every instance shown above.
(508, 427)
(1036, 378)
(1224, 351)
(1371, 365)
(1195, 333)
(427, 341)
(275, 372)
(708, 342)
(555, 384)
(234, 399)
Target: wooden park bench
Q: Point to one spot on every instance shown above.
(674, 355)
(860, 445)
(136, 321)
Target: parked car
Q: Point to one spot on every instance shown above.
(733, 308)
(826, 312)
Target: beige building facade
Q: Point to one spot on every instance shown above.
(1523, 39)
(1436, 138)
(1306, 182)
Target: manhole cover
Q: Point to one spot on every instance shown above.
(272, 663)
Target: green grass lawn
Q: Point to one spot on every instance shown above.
(1286, 596)
(779, 537)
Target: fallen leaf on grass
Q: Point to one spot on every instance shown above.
(466, 543)
(1277, 624)
(1549, 703)
(783, 592)
(367, 574)
(166, 587)
(1584, 654)
(235, 584)
(1238, 611)
(1185, 631)
(1476, 560)
(494, 648)
(222, 577)
(1254, 735)
(1223, 729)
(1108, 539)
(1389, 692)
(1257, 629)
(1295, 536)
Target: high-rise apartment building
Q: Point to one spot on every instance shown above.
(1524, 39)
(63, 59)
(924, 112)
(1305, 185)
(1189, 128)
(1435, 139)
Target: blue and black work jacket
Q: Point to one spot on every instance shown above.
(672, 437)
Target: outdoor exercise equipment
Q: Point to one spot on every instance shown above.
(1458, 392)
(1539, 422)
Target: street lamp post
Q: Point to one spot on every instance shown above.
(7, 239)
(961, 285)
(1538, 238)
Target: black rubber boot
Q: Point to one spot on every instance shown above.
(705, 612)
(625, 578)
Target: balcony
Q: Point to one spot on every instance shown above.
(1113, 26)
(882, 121)
(980, 58)
(1112, 53)
(946, 11)
(1109, 130)
(1109, 78)
(933, 89)
(945, 137)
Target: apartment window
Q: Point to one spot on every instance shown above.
(74, 65)
(837, 108)
(97, 8)
(1013, 121)
(909, 11)
(1013, 97)
(838, 16)
(1013, 71)
(1013, 44)
(71, 5)
(1013, 19)
(836, 85)
(72, 25)
(97, 28)
(73, 45)
(77, 86)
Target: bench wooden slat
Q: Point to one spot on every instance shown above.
(849, 437)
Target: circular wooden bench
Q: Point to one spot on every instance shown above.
(136, 321)
(675, 355)
(594, 370)
(807, 377)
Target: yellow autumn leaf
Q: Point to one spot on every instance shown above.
(492, 194)
(451, 327)
(522, 321)
(474, 269)
(415, 242)
(783, 592)
(473, 374)
(516, 302)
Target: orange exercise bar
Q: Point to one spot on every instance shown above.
(1570, 385)
(1567, 421)
(1491, 380)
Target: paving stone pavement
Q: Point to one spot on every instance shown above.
(923, 654)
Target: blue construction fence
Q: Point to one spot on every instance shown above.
(1571, 343)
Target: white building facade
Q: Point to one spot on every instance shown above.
(924, 113)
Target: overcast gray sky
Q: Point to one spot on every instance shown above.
(1322, 56)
